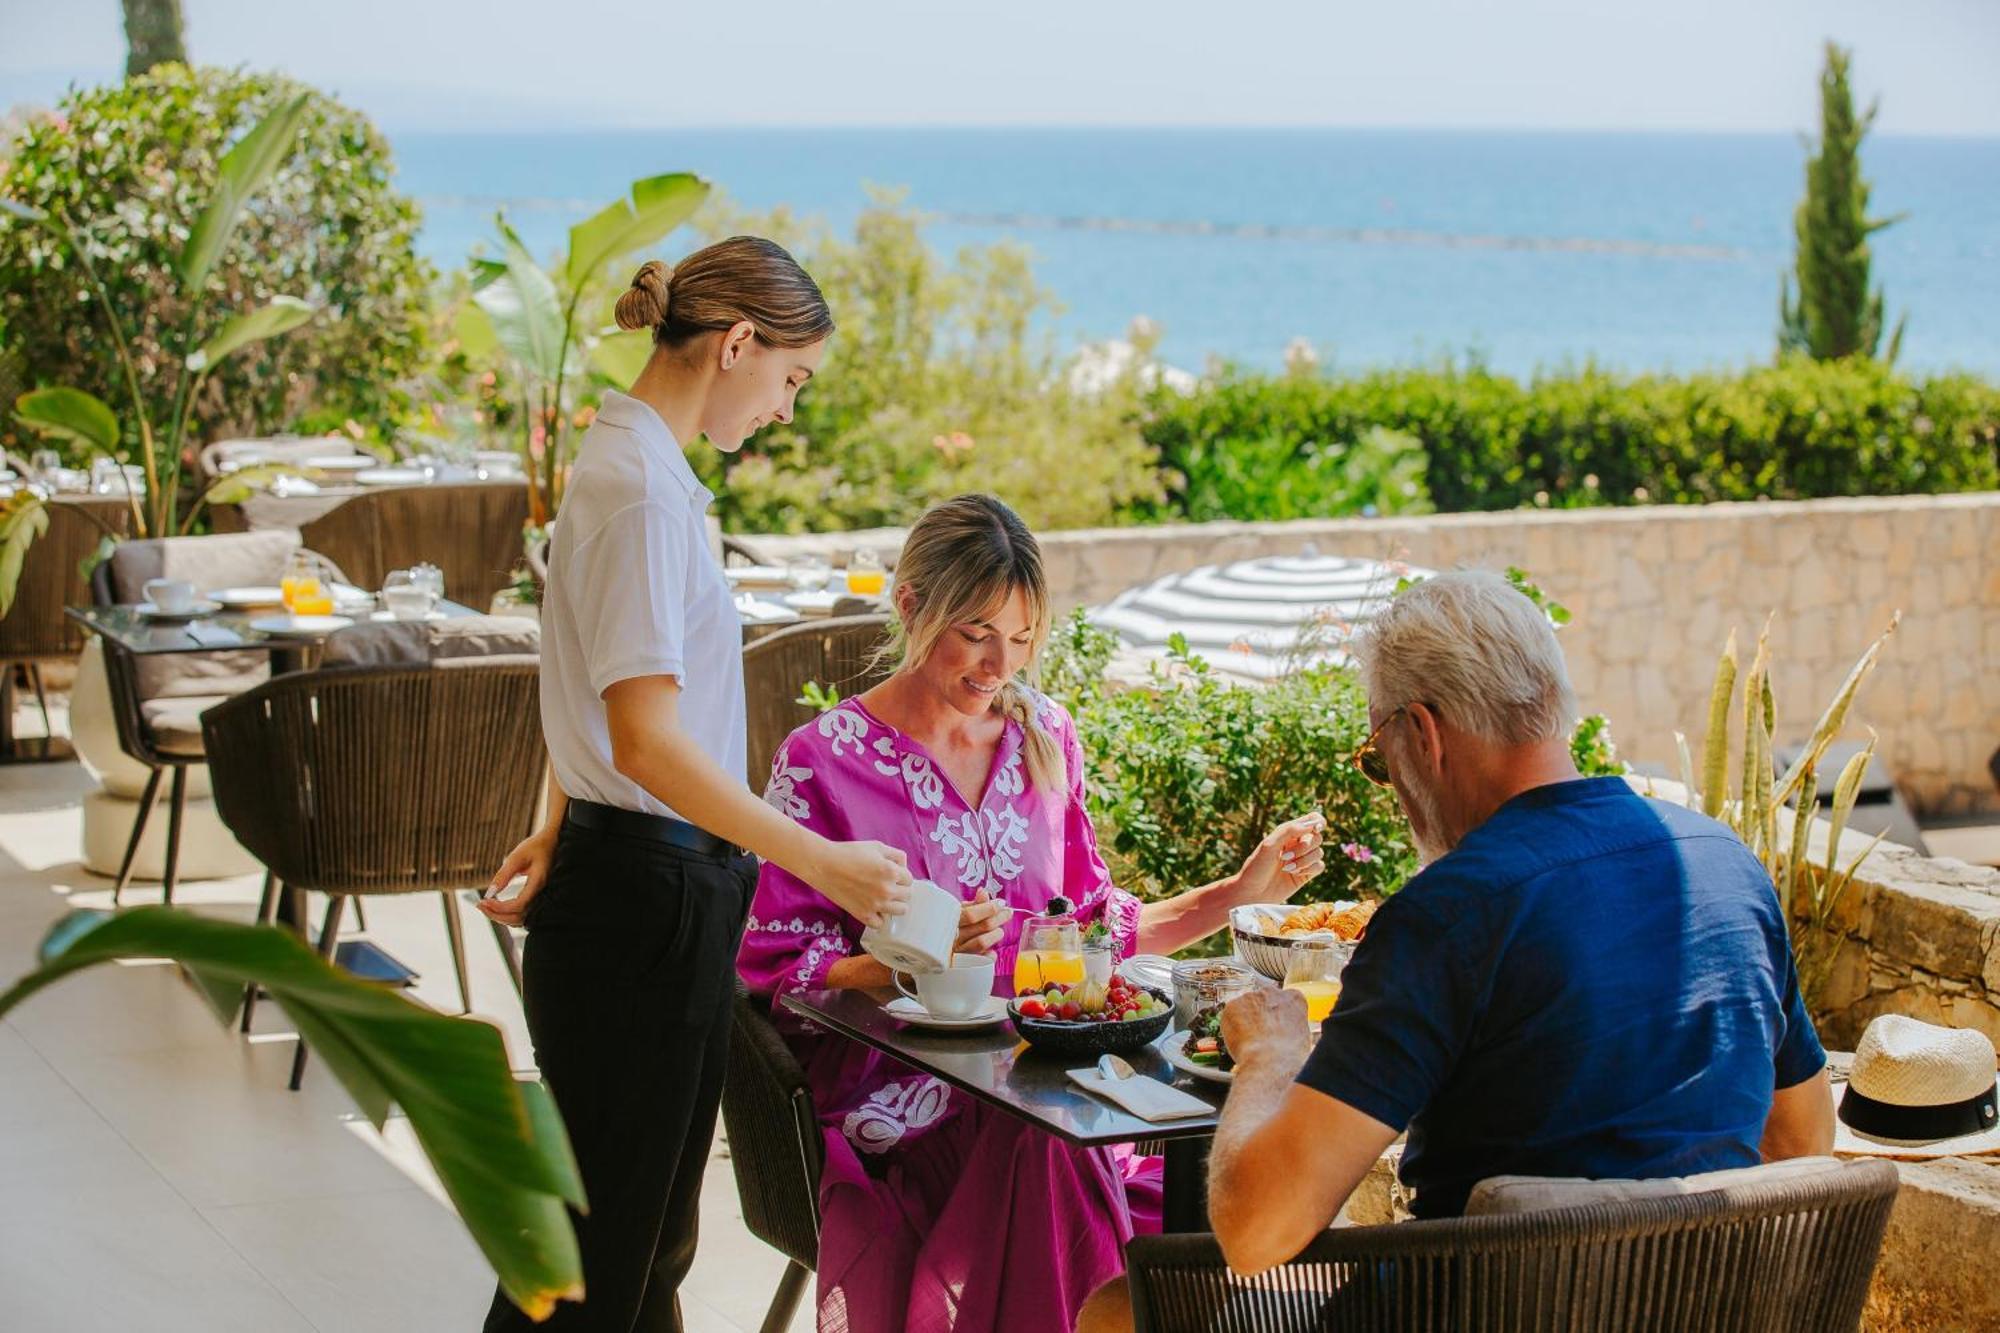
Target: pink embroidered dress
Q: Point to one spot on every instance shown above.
(940, 1213)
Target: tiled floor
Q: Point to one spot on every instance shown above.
(156, 1175)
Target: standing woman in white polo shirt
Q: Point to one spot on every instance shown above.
(636, 889)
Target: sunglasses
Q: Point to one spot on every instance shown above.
(1374, 765)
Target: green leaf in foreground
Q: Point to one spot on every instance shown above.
(496, 1143)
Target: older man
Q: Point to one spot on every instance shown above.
(1581, 982)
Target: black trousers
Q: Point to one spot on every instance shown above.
(628, 974)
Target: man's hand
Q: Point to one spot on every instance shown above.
(1268, 1028)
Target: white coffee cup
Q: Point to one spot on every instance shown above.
(170, 595)
(959, 991)
(920, 940)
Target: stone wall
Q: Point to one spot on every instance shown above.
(1655, 592)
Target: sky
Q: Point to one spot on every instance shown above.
(1728, 65)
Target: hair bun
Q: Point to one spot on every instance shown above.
(644, 305)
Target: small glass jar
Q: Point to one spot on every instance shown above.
(1203, 985)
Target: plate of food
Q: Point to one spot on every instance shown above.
(1265, 932)
(1200, 1051)
(1090, 1019)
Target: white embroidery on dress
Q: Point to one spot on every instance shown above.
(796, 926)
(886, 765)
(783, 793)
(843, 726)
(894, 1110)
(926, 787)
(1006, 835)
(1009, 781)
(961, 840)
(802, 976)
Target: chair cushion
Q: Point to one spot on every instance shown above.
(421, 643)
(229, 560)
(176, 722)
(1498, 1195)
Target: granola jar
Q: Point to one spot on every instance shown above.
(1203, 985)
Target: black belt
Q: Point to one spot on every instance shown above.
(654, 828)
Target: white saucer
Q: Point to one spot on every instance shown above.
(249, 599)
(343, 462)
(1175, 1049)
(905, 1010)
(390, 476)
(193, 612)
(299, 627)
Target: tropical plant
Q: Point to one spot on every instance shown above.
(1833, 314)
(205, 340)
(497, 1143)
(537, 322)
(135, 168)
(1811, 896)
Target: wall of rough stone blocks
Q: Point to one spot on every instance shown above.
(1655, 592)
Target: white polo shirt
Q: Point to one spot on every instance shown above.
(634, 590)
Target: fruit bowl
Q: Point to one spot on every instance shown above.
(1092, 1038)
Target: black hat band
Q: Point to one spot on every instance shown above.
(1884, 1120)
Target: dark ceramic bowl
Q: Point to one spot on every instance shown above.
(1071, 1039)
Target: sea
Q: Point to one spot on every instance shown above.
(1521, 251)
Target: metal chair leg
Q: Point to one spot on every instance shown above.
(41, 697)
(138, 831)
(328, 933)
(360, 916)
(785, 1303)
(177, 806)
(266, 906)
(456, 929)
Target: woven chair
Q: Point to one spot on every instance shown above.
(355, 781)
(35, 630)
(838, 653)
(1783, 1255)
(471, 532)
(774, 1149)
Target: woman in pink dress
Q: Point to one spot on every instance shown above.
(940, 1213)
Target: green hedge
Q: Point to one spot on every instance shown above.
(1796, 430)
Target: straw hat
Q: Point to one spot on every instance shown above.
(1918, 1090)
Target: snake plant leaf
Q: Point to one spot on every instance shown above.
(70, 414)
(1796, 866)
(21, 522)
(1715, 747)
(497, 1145)
(524, 308)
(1835, 717)
(282, 315)
(657, 205)
(1690, 793)
(243, 171)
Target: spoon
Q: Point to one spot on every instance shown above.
(1115, 1067)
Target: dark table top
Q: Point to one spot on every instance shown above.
(220, 631)
(998, 1068)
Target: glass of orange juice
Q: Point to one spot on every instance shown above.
(1051, 951)
(1312, 968)
(865, 575)
(301, 580)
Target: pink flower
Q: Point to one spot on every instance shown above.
(1354, 851)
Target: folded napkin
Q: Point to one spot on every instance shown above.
(1147, 1098)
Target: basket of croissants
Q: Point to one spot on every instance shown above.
(1266, 932)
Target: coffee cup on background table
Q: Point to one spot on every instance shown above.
(170, 595)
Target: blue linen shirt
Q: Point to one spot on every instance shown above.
(1593, 983)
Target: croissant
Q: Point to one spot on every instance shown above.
(1347, 920)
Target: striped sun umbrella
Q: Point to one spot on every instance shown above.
(1254, 618)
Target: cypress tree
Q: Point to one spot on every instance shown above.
(152, 35)
(1833, 313)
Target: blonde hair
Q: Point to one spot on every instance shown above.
(722, 285)
(962, 559)
(1470, 645)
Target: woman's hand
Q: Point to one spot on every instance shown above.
(1290, 857)
(531, 857)
(981, 924)
(870, 881)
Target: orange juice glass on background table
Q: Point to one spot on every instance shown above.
(302, 583)
(865, 575)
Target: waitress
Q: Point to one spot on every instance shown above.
(636, 888)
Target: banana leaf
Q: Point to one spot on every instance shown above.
(70, 414)
(497, 1143)
(619, 357)
(20, 523)
(282, 315)
(657, 205)
(525, 311)
(243, 171)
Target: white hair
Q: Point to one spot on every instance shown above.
(1472, 646)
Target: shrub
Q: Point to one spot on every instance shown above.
(1796, 430)
(936, 383)
(131, 166)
